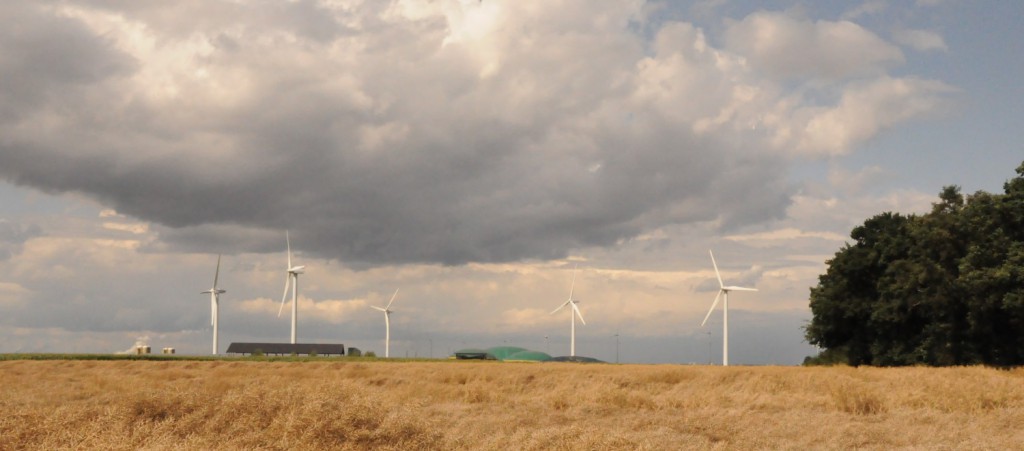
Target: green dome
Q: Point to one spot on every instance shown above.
(502, 352)
(531, 356)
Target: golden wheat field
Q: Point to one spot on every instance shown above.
(342, 404)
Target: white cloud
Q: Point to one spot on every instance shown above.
(780, 236)
(867, 8)
(137, 228)
(863, 111)
(784, 46)
(921, 40)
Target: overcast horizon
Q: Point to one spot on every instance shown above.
(472, 153)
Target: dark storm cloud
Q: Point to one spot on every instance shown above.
(46, 57)
(378, 135)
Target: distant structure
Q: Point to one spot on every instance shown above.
(502, 353)
(140, 347)
(576, 359)
(214, 301)
(723, 290)
(291, 277)
(168, 351)
(474, 354)
(572, 314)
(322, 349)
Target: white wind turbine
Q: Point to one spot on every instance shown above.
(387, 323)
(572, 315)
(214, 301)
(722, 289)
(292, 278)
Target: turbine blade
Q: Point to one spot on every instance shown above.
(740, 289)
(713, 305)
(578, 313)
(573, 286)
(216, 273)
(379, 308)
(717, 274)
(392, 299)
(559, 308)
(287, 281)
(288, 242)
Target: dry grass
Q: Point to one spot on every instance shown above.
(488, 405)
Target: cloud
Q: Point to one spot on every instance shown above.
(921, 40)
(331, 311)
(436, 132)
(779, 236)
(867, 8)
(864, 110)
(784, 46)
(12, 293)
(13, 235)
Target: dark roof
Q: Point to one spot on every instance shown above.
(287, 348)
(473, 353)
(577, 358)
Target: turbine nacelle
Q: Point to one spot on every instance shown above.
(574, 303)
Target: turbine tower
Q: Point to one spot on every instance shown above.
(214, 301)
(387, 323)
(291, 278)
(572, 315)
(723, 290)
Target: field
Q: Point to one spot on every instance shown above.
(338, 404)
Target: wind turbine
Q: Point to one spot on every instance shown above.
(387, 323)
(292, 278)
(572, 315)
(214, 300)
(722, 289)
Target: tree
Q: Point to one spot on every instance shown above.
(943, 288)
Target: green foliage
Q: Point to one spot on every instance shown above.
(370, 354)
(828, 357)
(943, 288)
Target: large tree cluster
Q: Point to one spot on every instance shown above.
(942, 288)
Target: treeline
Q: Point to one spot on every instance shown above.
(943, 288)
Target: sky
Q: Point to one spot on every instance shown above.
(478, 155)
